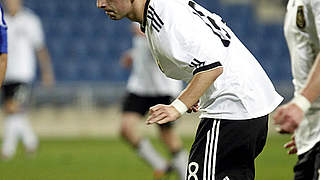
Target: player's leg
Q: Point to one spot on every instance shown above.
(316, 173)
(174, 145)
(134, 107)
(308, 164)
(226, 149)
(171, 139)
(128, 130)
(10, 137)
(305, 166)
(239, 143)
(16, 100)
(29, 138)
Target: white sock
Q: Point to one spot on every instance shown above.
(180, 163)
(11, 135)
(151, 156)
(17, 126)
(29, 138)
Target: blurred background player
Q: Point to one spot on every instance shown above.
(3, 46)
(302, 114)
(25, 39)
(146, 87)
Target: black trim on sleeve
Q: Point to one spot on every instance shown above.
(145, 12)
(207, 67)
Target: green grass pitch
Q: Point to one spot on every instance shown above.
(111, 159)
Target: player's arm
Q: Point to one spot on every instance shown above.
(290, 115)
(312, 88)
(3, 66)
(196, 88)
(45, 64)
(3, 52)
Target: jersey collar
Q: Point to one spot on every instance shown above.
(144, 23)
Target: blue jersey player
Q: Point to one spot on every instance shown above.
(3, 46)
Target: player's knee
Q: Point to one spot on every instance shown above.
(11, 107)
(124, 129)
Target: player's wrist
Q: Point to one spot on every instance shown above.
(179, 106)
(302, 102)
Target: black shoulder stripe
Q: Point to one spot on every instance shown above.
(207, 67)
(156, 22)
(145, 12)
(155, 27)
(151, 8)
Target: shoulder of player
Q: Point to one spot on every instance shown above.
(173, 13)
(167, 8)
(28, 13)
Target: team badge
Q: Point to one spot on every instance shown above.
(300, 20)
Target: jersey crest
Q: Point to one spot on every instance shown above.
(300, 19)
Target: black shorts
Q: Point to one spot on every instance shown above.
(17, 91)
(226, 149)
(308, 164)
(141, 104)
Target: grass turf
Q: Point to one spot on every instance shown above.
(111, 159)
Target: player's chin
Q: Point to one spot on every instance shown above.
(114, 17)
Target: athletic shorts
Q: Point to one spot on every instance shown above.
(226, 149)
(17, 91)
(308, 165)
(141, 104)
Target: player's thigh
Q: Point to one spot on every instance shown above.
(308, 164)
(130, 119)
(201, 150)
(240, 142)
(226, 149)
(316, 174)
(304, 168)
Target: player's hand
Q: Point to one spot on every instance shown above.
(162, 114)
(194, 108)
(291, 145)
(288, 116)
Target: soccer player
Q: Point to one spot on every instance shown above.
(148, 86)
(236, 96)
(3, 46)
(301, 115)
(25, 38)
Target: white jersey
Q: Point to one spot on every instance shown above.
(301, 24)
(25, 36)
(186, 39)
(146, 79)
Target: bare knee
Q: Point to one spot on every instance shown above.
(128, 124)
(11, 107)
(124, 128)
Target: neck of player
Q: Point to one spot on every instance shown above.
(137, 11)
